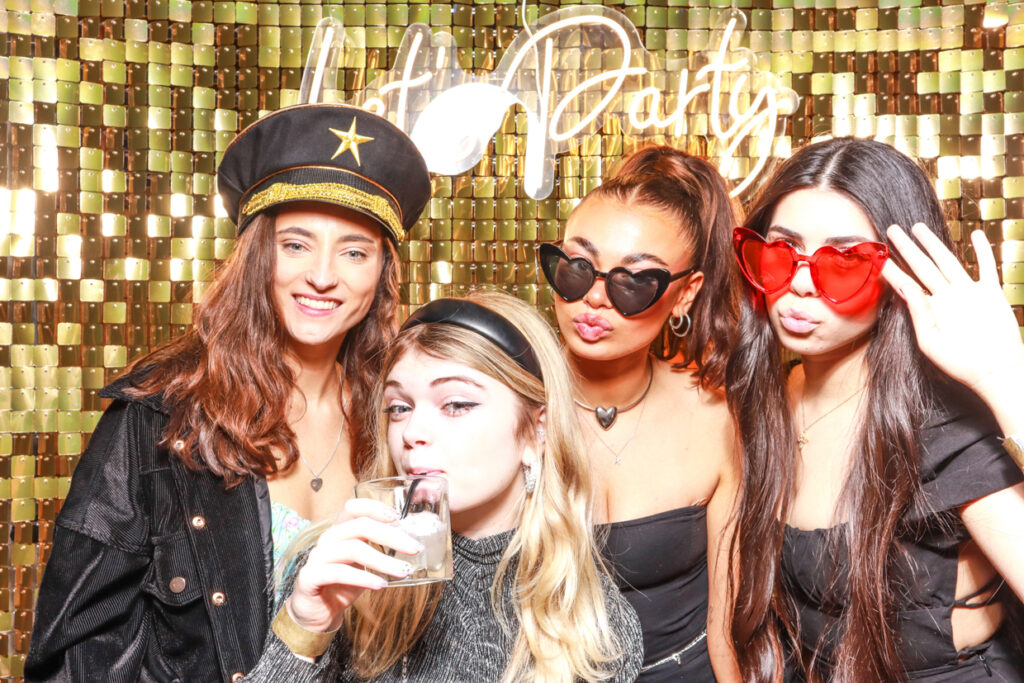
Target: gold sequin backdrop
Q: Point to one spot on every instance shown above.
(112, 116)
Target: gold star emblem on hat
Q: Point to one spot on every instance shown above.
(350, 141)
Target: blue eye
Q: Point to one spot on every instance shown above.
(396, 410)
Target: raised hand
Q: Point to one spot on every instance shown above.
(964, 326)
(335, 573)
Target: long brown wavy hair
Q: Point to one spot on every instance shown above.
(226, 380)
(690, 189)
(884, 480)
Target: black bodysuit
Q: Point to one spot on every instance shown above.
(962, 461)
(660, 564)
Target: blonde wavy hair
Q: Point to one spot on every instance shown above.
(559, 598)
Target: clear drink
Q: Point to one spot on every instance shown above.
(428, 529)
(422, 506)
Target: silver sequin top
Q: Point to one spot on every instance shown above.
(464, 641)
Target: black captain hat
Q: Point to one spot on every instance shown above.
(332, 153)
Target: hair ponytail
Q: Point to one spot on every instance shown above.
(690, 189)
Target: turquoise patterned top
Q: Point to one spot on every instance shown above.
(285, 525)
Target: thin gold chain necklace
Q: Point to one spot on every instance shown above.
(801, 440)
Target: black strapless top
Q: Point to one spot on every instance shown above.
(660, 565)
(962, 461)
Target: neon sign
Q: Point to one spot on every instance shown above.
(572, 73)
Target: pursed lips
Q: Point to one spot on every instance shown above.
(590, 327)
(797, 321)
(593, 321)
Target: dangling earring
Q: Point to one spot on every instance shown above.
(531, 478)
(676, 323)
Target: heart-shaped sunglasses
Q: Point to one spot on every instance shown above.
(630, 292)
(838, 274)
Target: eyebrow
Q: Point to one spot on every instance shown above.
(441, 380)
(303, 232)
(831, 241)
(628, 260)
(456, 378)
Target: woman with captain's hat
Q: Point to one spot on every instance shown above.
(220, 446)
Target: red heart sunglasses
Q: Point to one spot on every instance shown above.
(838, 274)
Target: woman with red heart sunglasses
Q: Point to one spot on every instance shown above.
(646, 301)
(879, 525)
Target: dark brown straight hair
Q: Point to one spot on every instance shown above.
(226, 380)
(690, 189)
(884, 480)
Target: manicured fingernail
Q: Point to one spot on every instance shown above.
(380, 583)
(391, 515)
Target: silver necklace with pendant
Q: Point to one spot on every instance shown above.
(606, 416)
(316, 482)
(617, 453)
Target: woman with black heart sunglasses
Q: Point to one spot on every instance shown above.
(645, 298)
(879, 525)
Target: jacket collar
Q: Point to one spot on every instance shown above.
(119, 390)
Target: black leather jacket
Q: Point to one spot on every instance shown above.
(157, 572)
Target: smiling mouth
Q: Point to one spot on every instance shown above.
(318, 304)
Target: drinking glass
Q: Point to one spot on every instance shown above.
(422, 506)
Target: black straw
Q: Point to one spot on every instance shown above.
(405, 507)
(408, 497)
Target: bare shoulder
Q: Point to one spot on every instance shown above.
(702, 413)
(683, 384)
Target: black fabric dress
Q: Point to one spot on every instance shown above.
(962, 461)
(660, 564)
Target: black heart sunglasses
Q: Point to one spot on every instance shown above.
(629, 292)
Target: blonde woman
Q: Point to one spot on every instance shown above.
(474, 390)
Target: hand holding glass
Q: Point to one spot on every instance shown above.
(421, 503)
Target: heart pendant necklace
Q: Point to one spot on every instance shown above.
(617, 452)
(606, 416)
(316, 482)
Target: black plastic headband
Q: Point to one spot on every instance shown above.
(485, 322)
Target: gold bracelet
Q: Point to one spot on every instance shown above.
(299, 640)
(1014, 445)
